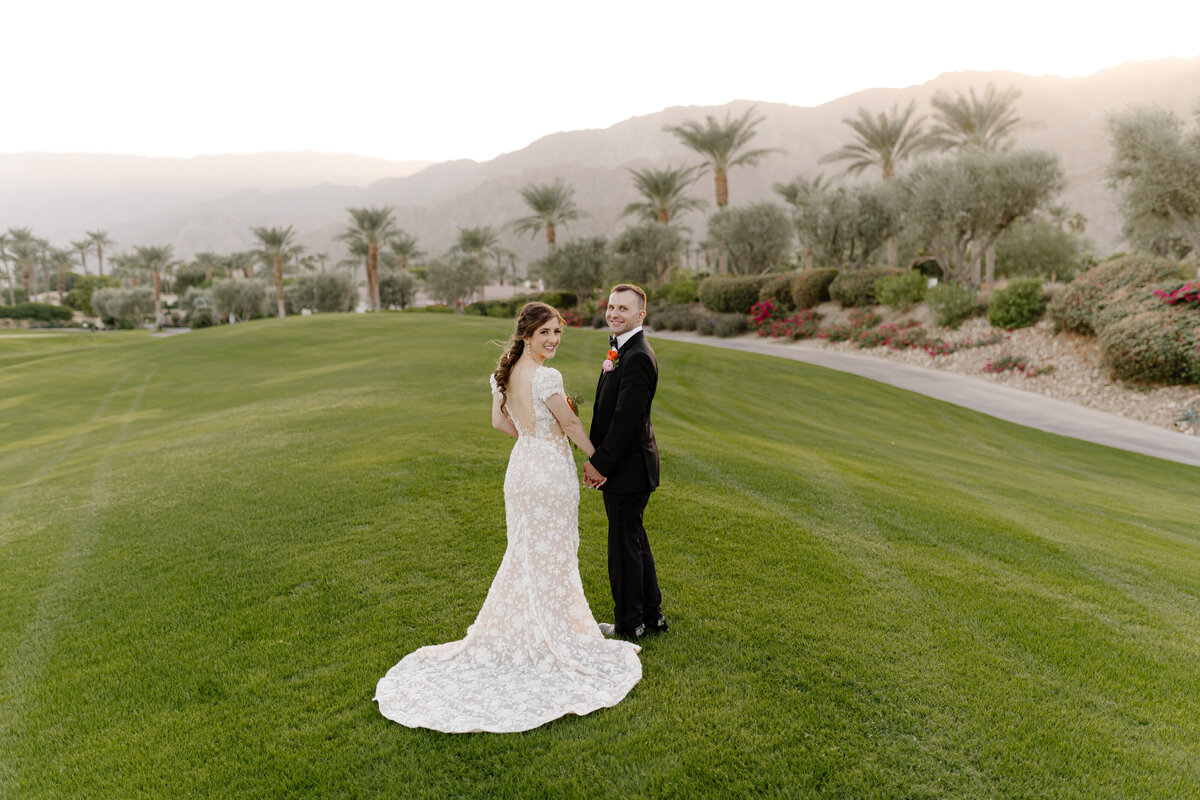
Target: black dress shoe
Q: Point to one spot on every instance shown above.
(658, 626)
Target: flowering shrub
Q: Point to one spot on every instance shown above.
(939, 347)
(778, 289)
(801, 325)
(1153, 346)
(572, 318)
(859, 321)
(763, 312)
(898, 337)
(1011, 363)
(1075, 307)
(1188, 294)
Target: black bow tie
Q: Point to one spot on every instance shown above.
(612, 342)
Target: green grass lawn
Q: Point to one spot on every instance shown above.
(213, 545)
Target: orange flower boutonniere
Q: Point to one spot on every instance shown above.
(611, 361)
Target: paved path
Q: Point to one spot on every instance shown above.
(1024, 408)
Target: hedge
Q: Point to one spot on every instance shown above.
(731, 294)
(43, 312)
(857, 289)
(810, 287)
(778, 289)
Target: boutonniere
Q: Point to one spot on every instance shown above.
(611, 360)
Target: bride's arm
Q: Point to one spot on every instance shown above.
(569, 423)
(500, 420)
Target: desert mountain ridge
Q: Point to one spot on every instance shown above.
(210, 202)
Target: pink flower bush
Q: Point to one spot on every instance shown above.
(1188, 294)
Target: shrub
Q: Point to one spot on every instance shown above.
(500, 308)
(572, 318)
(859, 322)
(810, 287)
(900, 291)
(326, 292)
(478, 308)
(721, 324)
(244, 299)
(202, 317)
(42, 312)
(397, 289)
(803, 324)
(438, 308)
(857, 289)
(731, 295)
(1017, 305)
(1074, 308)
(778, 289)
(679, 291)
(951, 304)
(131, 305)
(672, 318)
(1153, 346)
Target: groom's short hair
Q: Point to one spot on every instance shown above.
(629, 287)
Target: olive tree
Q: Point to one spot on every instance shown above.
(1156, 169)
(575, 266)
(757, 236)
(644, 254)
(454, 276)
(959, 206)
(243, 299)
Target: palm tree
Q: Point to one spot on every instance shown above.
(241, 261)
(974, 121)
(881, 141)
(663, 190)
(208, 261)
(552, 204)
(82, 248)
(986, 122)
(100, 240)
(404, 248)
(480, 242)
(8, 273)
(372, 226)
(276, 243)
(722, 146)
(61, 261)
(25, 253)
(155, 259)
(24, 250)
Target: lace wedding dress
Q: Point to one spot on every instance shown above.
(534, 653)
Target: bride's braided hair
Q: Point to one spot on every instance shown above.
(531, 317)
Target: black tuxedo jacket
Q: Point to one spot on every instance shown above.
(626, 452)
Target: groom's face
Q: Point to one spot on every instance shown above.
(624, 312)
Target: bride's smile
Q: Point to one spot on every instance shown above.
(544, 342)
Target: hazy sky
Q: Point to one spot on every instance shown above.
(437, 80)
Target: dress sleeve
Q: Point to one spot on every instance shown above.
(547, 383)
(492, 382)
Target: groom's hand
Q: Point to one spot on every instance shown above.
(591, 477)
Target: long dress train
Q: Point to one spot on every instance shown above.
(534, 653)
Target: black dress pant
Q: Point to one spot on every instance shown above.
(630, 562)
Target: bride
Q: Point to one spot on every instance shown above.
(534, 653)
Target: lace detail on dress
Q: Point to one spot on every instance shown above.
(534, 653)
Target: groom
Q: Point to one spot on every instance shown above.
(626, 463)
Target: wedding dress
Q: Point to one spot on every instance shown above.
(534, 653)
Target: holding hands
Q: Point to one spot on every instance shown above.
(591, 478)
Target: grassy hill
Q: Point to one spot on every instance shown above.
(213, 545)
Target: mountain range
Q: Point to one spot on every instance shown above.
(210, 202)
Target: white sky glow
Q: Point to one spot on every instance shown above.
(437, 81)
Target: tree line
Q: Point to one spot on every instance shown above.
(966, 186)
